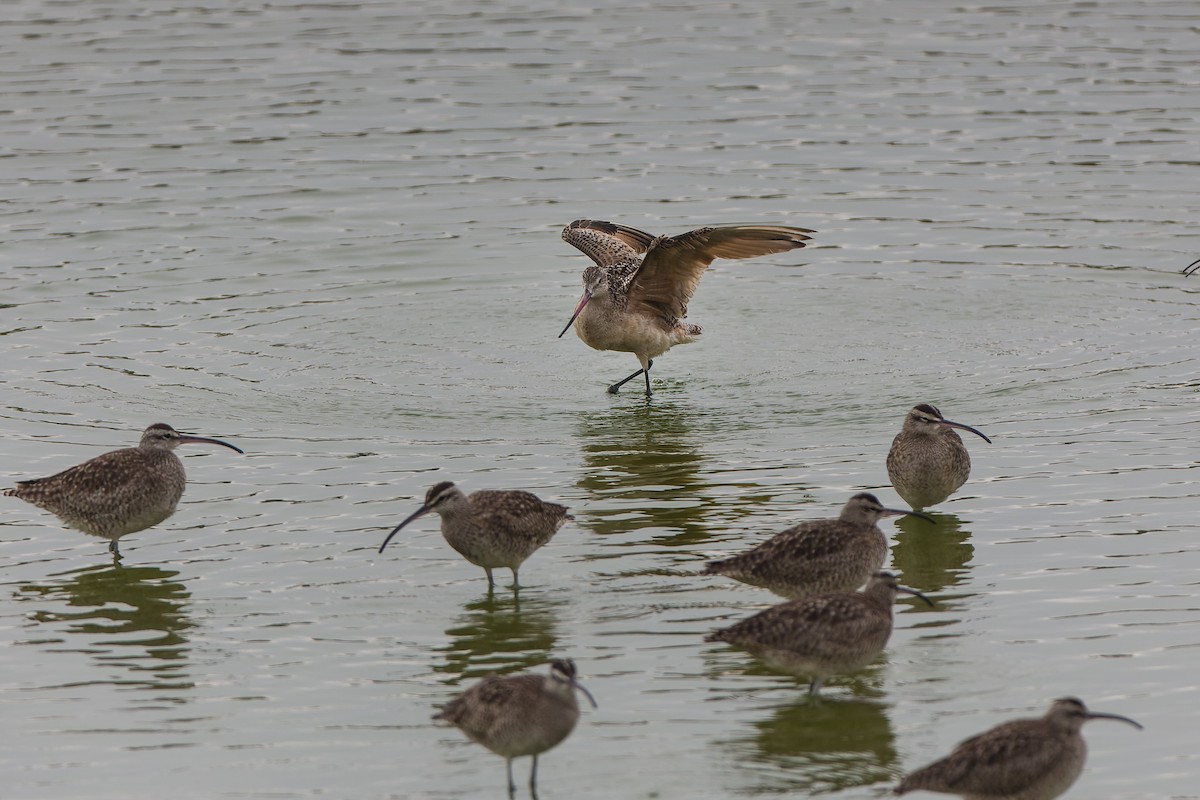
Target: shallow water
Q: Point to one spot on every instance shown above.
(329, 233)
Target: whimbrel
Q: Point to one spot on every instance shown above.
(1192, 268)
(636, 294)
(827, 555)
(120, 492)
(520, 715)
(491, 528)
(825, 634)
(928, 461)
(1024, 759)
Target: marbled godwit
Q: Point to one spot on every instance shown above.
(635, 296)
(521, 715)
(120, 492)
(491, 528)
(1025, 759)
(826, 555)
(822, 635)
(928, 461)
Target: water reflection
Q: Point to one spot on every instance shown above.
(131, 617)
(643, 467)
(501, 633)
(819, 747)
(932, 557)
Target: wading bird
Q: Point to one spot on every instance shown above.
(636, 294)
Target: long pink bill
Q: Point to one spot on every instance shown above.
(583, 301)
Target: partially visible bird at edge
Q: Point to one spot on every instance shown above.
(1023, 759)
(491, 528)
(825, 634)
(519, 715)
(120, 492)
(824, 555)
(635, 295)
(928, 461)
(1192, 268)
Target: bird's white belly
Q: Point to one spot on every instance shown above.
(606, 329)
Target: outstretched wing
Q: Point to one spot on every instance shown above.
(672, 266)
(606, 243)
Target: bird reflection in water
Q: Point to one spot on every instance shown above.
(643, 469)
(132, 617)
(817, 749)
(932, 557)
(500, 634)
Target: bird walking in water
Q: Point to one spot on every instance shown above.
(636, 294)
(1024, 759)
(822, 635)
(826, 555)
(521, 715)
(119, 492)
(928, 461)
(491, 528)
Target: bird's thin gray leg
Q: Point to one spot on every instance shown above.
(814, 686)
(491, 580)
(533, 780)
(512, 787)
(616, 386)
(116, 552)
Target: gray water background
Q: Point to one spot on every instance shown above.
(329, 233)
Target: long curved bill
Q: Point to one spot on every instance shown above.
(1118, 717)
(419, 512)
(592, 700)
(914, 593)
(895, 512)
(185, 439)
(583, 301)
(962, 427)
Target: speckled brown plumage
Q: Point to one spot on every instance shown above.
(636, 294)
(491, 528)
(827, 555)
(520, 715)
(1025, 759)
(928, 461)
(826, 634)
(119, 492)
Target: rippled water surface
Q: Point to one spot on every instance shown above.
(329, 233)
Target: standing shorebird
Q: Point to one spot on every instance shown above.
(1025, 759)
(826, 555)
(491, 528)
(120, 492)
(928, 461)
(826, 634)
(521, 715)
(635, 296)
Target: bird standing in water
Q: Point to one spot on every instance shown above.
(636, 294)
(821, 635)
(521, 715)
(120, 492)
(928, 461)
(491, 528)
(823, 555)
(1024, 759)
